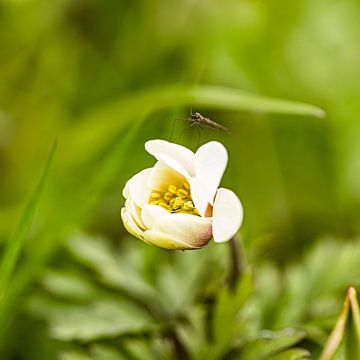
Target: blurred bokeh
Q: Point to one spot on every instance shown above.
(101, 78)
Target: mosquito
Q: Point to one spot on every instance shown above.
(200, 121)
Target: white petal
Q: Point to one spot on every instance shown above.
(227, 215)
(161, 176)
(165, 241)
(138, 189)
(176, 156)
(130, 225)
(135, 212)
(192, 230)
(150, 214)
(200, 195)
(125, 191)
(210, 164)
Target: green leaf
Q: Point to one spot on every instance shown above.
(270, 343)
(103, 352)
(16, 242)
(113, 269)
(227, 322)
(228, 306)
(145, 349)
(293, 354)
(236, 99)
(100, 126)
(346, 334)
(184, 280)
(307, 289)
(101, 320)
(74, 355)
(69, 285)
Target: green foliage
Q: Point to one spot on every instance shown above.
(111, 302)
(16, 243)
(344, 340)
(293, 354)
(102, 78)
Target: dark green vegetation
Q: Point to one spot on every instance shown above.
(102, 77)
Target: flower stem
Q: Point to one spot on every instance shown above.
(236, 262)
(180, 351)
(210, 303)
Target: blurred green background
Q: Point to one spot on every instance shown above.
(101, 78)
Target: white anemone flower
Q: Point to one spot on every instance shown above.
(177, 204)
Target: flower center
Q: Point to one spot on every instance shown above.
(175, 200)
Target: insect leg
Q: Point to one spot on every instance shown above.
(186, 128)
(173, 127)
(200, 131)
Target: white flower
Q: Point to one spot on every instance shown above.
(177, 203)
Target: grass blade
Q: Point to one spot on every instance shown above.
(100, 124)
(16, 242)
(338, 334)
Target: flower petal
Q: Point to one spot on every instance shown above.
(191, 230)
(176, 156)
(135, 212)
(210, 164)
(125, 191)
(130, 225)
(227, 215)
(137, 187)
(161, 176)
(150, 214)
(165, 241)
(200, 195)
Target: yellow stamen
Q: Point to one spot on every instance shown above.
(188, 206)
(182, 193)
(168, 196)
(178, 203)
(172, 189)
(175, 200)
(164, 205)
(155, 195)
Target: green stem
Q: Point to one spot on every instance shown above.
(180, 351)
(236, 262)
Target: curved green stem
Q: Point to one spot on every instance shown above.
(236, 262)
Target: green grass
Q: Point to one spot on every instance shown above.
(16, 242)
(103, 78)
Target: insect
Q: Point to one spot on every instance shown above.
(200, 121)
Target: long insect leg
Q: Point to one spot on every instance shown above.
(173, 127)
(186, 128)
(200, 131)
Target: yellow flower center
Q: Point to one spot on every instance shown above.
(175, 200)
